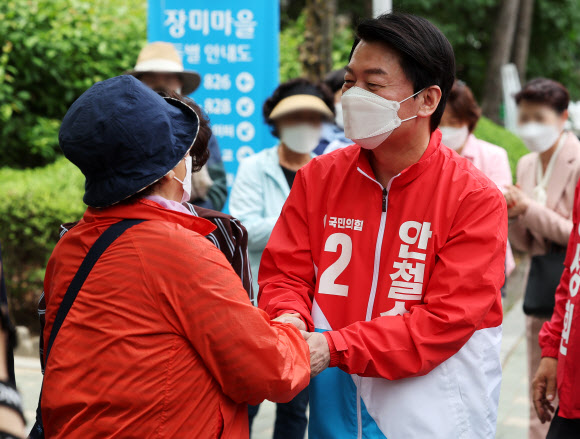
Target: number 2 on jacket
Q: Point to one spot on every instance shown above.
(327, 283)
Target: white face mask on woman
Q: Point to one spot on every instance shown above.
(339, 118)
(454, 137)
(539, 137)
(301, 138)
(186, 183)
(369, 118)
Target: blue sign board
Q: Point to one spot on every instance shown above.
(233, 45)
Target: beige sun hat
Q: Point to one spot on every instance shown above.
(300, 102)
(163, 58)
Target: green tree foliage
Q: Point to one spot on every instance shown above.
(33, 204)
(555, 43)
(51, 52)
(292, 38)
(469, 26)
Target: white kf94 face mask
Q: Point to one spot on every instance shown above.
(339, 118)
(302, 138)
(186, 183)
(539, 137)
(454, 137)
(368, 118)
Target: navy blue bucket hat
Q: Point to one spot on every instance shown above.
(124, 137)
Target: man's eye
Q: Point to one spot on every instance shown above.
(348, 81)
(373, 85)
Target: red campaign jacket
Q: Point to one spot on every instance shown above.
(162, 340)
(560, 337)
(401, 279)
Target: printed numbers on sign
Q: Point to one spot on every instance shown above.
(217, 82)
(327, 283)
(217, 106)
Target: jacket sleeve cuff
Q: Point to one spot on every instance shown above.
(549, 351)
(336, 345)
(549, 343)
(550, 347)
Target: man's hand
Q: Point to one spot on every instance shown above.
(293, 319)
(319, 352)
(544, 388)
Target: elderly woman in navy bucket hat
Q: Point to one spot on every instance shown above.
(148, 329)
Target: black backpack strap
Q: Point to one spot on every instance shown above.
(99, 247)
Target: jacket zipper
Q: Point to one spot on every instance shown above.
(385, 195)
(376, 266)
(371, 303)
(378, 249)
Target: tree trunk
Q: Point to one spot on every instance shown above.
(316, 53)
(522, 37)
(501, 47)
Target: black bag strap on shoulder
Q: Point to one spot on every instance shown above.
(95, 252)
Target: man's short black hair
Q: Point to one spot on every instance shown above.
(426, 55)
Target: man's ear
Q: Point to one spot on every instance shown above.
(430, 98)
(565, 115)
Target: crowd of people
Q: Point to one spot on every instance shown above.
(361, 272)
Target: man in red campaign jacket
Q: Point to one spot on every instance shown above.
(560, 342)
(390, 252)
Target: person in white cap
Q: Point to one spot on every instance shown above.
(160, 66)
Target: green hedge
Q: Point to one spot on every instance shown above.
(33, 203)
(496, 134)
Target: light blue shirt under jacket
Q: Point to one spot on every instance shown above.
(258, 195)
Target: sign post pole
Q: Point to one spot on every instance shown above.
(382, 7)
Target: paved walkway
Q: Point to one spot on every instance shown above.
(513, 412)
(513, 405)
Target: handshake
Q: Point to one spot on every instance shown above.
(319, 350)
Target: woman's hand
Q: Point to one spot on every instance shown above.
(544, 388)
(517, 201)
(293, 319)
